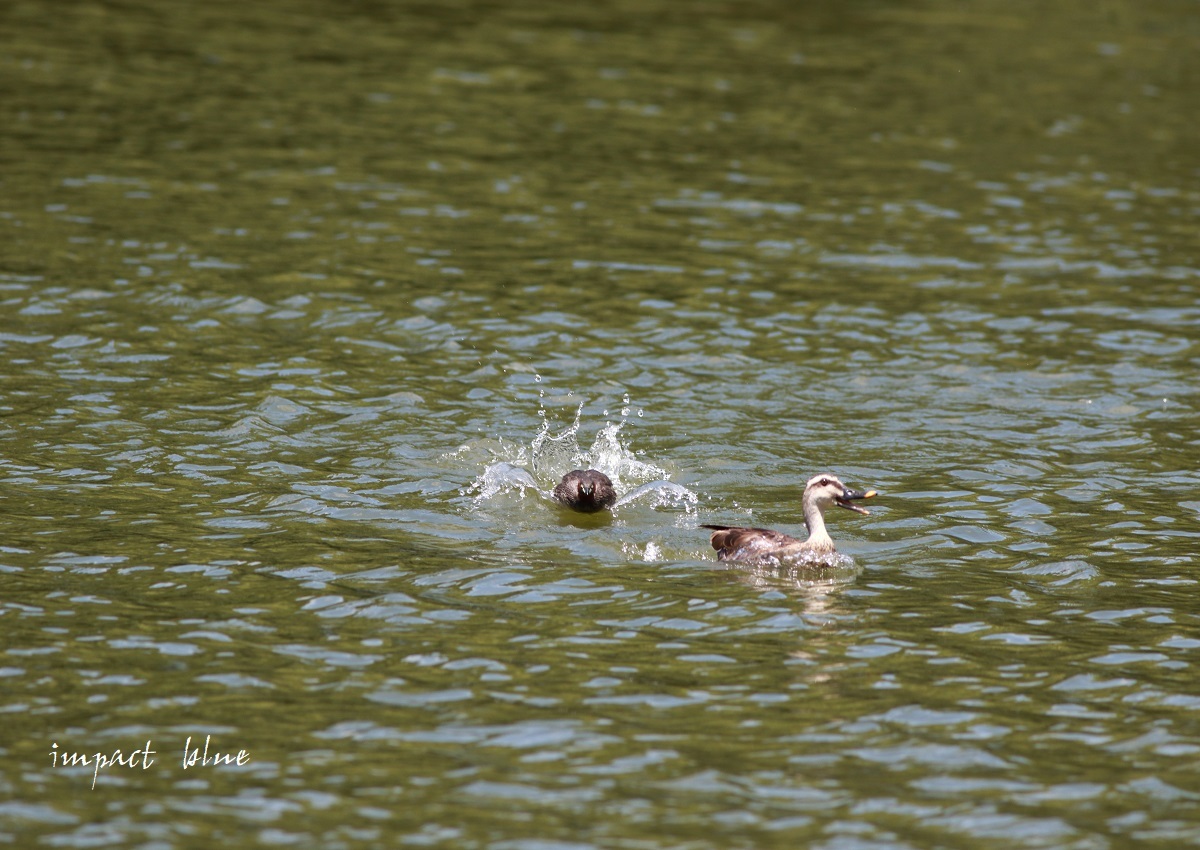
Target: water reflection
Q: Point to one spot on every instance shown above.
(815, 588)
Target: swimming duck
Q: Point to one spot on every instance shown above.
(762, 545)
(585, 490)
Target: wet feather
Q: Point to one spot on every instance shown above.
(585, 490)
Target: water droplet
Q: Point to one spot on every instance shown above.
(537, 379)
(640, 412)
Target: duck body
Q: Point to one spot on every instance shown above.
(766, 546)
(735, 543)
(586, 491)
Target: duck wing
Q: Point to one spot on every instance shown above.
(734, 543)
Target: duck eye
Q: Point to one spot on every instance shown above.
(824, 482)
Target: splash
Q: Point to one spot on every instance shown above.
(502, 477)
(550, 452)
(818, 565)
(651, 553)
(661, 494)
(818, 560)
(553, 453)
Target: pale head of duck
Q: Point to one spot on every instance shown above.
(825, 490)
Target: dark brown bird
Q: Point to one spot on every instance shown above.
(586, 490)
(762, 545)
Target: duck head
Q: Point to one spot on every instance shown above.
(821, 491)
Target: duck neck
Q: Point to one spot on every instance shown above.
(814, 520)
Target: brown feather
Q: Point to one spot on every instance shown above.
(586, 490)
(734, 543)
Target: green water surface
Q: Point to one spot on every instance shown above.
(279, 282)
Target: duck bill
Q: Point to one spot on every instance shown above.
(846, 500)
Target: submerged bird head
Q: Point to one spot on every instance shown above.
(825, 490)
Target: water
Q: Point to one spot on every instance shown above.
(278, 290)
(551, 455)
